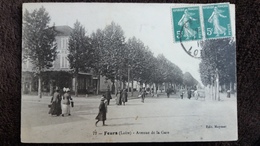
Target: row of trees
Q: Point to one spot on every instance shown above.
(106, 52)
(122, 60)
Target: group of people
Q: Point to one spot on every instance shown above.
(60, 104)
(105, 100)
(122, 98)
(190, 93)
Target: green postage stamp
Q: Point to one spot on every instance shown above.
(201, 22)
(216, 21)
(186, 24)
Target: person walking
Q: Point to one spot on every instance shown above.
(143, 94)
(168, 92)
(124, 96)
(152, 92)
(55, 103)
(189, 93)
(119, 98)
(102, 111)
(182, 93)
(108, 96)
(66, 102)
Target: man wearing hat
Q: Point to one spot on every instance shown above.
(102, 111)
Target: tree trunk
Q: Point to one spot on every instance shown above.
(232, 87)
(51, 88)
(113, 87)
(132, 88)
(30, 87)
(128, 79)
(156, 87)
(121, 83)
(76, 84)
(98, 84)
(40, 86)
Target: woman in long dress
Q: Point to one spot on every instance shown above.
(55, 103)
(124, 96)
(188, 32)
(214, 18)
(119, 97)
(66, 102)
(102, 111)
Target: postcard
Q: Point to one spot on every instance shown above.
(128, 72)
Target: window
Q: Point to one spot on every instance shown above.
(64, 61)
(61, 40)
(67, 44)
(64, 45)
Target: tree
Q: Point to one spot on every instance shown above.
(99, 54)
(188, 80)
(81, 52)
(39, 45)
(115, 51)
(169, 72)
(110, 52)
(218, 55)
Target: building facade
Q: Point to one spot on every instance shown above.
(60, 75)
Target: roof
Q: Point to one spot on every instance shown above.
(63, 30)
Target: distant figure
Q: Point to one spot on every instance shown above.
(102, 111)
(182, 95)
(189, 93)
(55, 103)
(66, 102)
(119, 97)
(168, 92)
(143, 94)
(124, 96)
(152, 92)
(108, 96)
(228, 93)
(196, 94)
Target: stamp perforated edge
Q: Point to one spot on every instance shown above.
(172, 21)
(220, 37)
(201, 21)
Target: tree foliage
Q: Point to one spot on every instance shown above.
(218, 54)
(114, 57)
(170, 72)
(38, 39)
(188, 80)
(39, 45)
(110, 50)
(80, 50)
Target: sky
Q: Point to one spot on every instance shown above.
(151, 23)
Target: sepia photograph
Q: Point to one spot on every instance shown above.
(128, 72)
